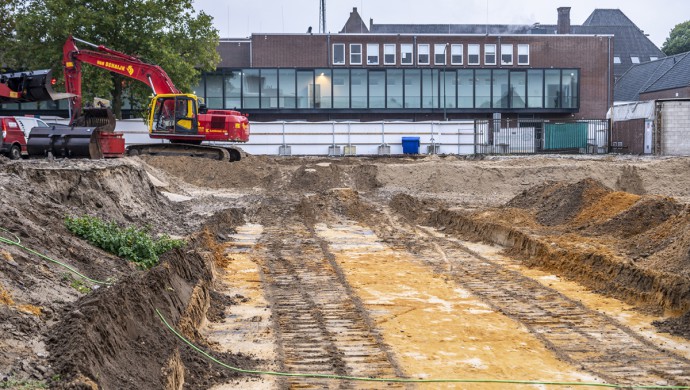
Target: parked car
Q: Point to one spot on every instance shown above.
(13, 139)
(27, 123)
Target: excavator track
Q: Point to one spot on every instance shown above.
(171, 149)
(320, 325)
(581, 336)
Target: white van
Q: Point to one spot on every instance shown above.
(27, 123)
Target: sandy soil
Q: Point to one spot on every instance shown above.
(350, 266)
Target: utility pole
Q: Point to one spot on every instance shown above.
(322, 17)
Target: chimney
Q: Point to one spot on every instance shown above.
(563, 20)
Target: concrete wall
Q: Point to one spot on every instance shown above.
(675, 127)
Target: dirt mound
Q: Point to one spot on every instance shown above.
(556, 203)
(252, 171)
(641, 216)
(107, 335)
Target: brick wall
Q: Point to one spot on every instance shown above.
(591, 54)
(675, 127)
(682, 93)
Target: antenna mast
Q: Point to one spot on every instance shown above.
(322, 17)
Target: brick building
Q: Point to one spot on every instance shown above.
(414, 76)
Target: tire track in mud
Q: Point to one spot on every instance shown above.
(320, 326)
(578, 335)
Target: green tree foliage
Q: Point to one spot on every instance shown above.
(8, 9)
(678, 41)
(168, 33)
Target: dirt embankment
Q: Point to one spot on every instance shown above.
(609, 240)
(57, 328)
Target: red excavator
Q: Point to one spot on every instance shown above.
(178, 117)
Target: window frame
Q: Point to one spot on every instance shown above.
(487, 53)
(616, 60)
(444, 53)
(402, 53)
(388, 46)
(373, 47)
(419, 53)
(509, 47)
(635, 59)
(453, 53)
(522, 46)
(352, 45)
(333, 55)
(478, 53)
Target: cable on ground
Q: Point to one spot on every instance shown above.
(400, 380)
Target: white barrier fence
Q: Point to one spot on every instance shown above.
(339, 138)
(382, 138)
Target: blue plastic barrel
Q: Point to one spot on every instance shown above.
(410, 145)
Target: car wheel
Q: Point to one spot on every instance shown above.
(15, 152)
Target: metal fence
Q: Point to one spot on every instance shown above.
(538, 136)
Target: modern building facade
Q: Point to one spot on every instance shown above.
(423, 72)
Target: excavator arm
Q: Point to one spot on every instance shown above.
(132, 67)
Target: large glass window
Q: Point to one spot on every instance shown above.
(214, 91)
(341, 88)
(456, 54)
(506, 54)
(473, 54)
(448, 82)
(569, 81)
(490, 54)
(439, 54)
(389, 54)
(269, 88)
(338, 54)
(518, 89)
(251, 84)
(322, 88)
(429, 88)
(523, 54)
(372, 53)
(359, 88)
(305, 89)
(394, 88)
(482, 88)
(355, 54)
(199, 89)
(423, 54)
(535, 88)
(552, 83)
(286, 89)
(465, 88)
(501, 90)
(413, 88)
(406, 54)
(377, 89)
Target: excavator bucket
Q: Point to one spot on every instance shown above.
(91, 136)
(30, 86)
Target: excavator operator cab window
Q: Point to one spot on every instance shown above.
(175, 115)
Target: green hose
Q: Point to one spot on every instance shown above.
(44, 257)
(399, 380)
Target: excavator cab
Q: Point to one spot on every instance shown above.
(174, 114)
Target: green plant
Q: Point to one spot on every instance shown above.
(79, 285)
(132, 243)
(27, 384)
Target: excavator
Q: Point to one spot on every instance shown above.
(180, 118)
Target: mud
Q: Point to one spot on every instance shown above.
(619, 226)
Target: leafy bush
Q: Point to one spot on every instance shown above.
(132, 243)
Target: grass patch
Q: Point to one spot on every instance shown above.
(132, 243)
(22, 384)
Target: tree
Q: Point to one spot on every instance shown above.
(8, 9)
(678, 41)
(168, 33)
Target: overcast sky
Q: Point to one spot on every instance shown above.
(242, 18)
